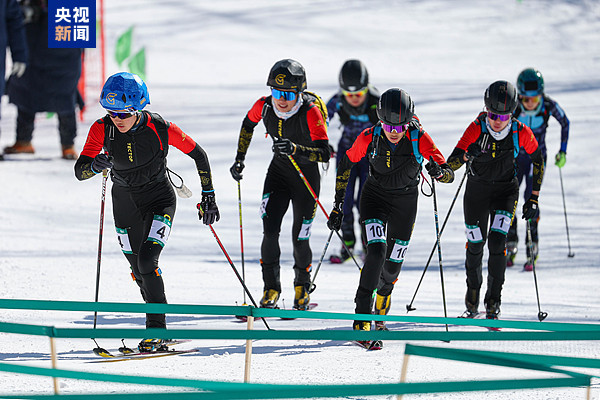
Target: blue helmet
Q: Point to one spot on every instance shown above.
(530, 82)
(124, 91)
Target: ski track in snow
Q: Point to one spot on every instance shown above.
(207, 64)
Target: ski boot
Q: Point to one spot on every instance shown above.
(362, 326)
(269, 299)
(20, 147)
(511, 253)
(344, 255)
(492, 309)
(382, 307)
(301, 298)
(472, 303)
(531, 258)
(153, 345)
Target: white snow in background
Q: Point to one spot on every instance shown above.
(207, 62)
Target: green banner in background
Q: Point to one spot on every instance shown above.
(123, 47)
(137, 64)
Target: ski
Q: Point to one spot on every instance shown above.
(369, 345)
(479, 315)
(125, 351)
(243, 318)
(145, 355)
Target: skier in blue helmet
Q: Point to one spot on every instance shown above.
(133, 144)
(124, 91)
(534, 110)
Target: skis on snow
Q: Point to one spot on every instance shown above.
(126, 353)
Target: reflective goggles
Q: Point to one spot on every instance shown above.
(278, 94)
(121, 115)
(356, 93)
(397, 128)
(533, 99)
(502, 117)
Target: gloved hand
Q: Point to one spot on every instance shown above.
(236, 170)
(284, 147)
(208, 212)
(473, 151)
(18, 69)
(531, 207)
(335, 218)
(434, 169)
(102, 161)
(561, 159)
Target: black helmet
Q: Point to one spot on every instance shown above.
(501, 98)
(287, 74)
(353, 76)
(530, 82)
(395, 107)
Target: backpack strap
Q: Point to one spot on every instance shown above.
(413, 135)
(515, 135)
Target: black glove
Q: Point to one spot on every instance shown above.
(284, 147)
(208, 212)
(531, 207)
(102, 161)
(236, 170)
(434, 169)
(335, 218)
(473, 151)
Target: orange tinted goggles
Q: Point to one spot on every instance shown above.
(356, 93)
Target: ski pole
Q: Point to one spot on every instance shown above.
(439, 247)
(98, 350)
(312, 284)
(409, 307)
(541, 315)
(570, 254)
(232, 265)
(316, 198)
(241, 236)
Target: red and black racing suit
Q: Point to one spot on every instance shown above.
(308, 131)
(144, 202)
(388, 202)
(491, 198)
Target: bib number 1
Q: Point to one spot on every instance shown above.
(375, 231)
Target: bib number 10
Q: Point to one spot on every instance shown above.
(375, 231)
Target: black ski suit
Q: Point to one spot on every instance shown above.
(307, 129)
(144, 201)
(388, 203)
(491, 198)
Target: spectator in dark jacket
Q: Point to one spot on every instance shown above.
(12, 34)
(48, 85)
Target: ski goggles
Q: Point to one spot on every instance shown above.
(278, 94)
(356, 93)
(532, 99)
(502, 117)
(391, 128)
(121, 114)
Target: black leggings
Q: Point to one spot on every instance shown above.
(493, 205)
(143, 219)
(283, 185)
(387, 221)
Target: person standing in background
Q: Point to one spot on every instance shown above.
(49, 84)
(12, 35)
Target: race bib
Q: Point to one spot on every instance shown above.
(399, 251)
(160, 230)
(263, 205)
(473, 233)
(375, 231)
(123, 239)
(305, 229)
(501, 222)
